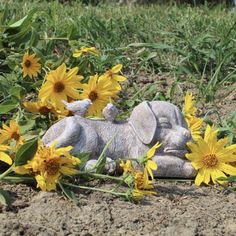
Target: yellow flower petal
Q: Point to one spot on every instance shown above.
(116, 69)
(228, 169)
(151, 164)
(119, 78)
(5, 158)
(215, 174)
(200, 177)
(21, 170)
(189, 108)
(152, 150)
(207, 176)
(77, 53)
(41, 182)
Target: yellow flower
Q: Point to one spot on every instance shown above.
(3, 156)
(83, 50)
(99, 92)
(194, 125)
(189, 110)
(114, 77)
(48, 165)
(11, 132)
(150, 164)
(30, 65)
(189, 105)
(43, 108)
(41, 183)
(210, 157)
(63, 114)
(126, 166)
(60, 85)
(138, 195)
(142, 181)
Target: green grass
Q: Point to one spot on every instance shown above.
(194, 45)
(179, 40)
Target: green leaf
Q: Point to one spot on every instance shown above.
(4, 109)
(18, 23)
(230, 179)
(84, 157)
(150, 45)
(130, 103)
(5, 198)
(26, 152)
(26, 126)
(151, 55)
(4, 14)
(16, 92)
(33, 38)
(69, 193)
(100, 165)
(26, 20)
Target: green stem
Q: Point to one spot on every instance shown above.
(217, 113)
(18, 179)
(118, 185)
(53, 38)
(8, 171)
(101, 176)
(94, 189)
(174, 180)
(115, 49)
(129, 159)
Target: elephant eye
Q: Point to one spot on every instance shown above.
(165, 125)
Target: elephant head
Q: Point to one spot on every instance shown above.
(163, 122)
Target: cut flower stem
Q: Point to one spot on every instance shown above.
(100, 176)
(8, 171)
(94, 189)
(18, 179)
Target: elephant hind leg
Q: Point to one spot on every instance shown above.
(64, 133)
(54, 132)
(74, 132)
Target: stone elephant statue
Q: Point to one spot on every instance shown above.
(150, 122)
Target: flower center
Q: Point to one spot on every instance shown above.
(44, 110)
(59, 87)
(52, 166)
(210, 160)
(27, 63)
(93, 96)
(15, 136)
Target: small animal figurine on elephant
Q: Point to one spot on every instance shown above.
(149, 123)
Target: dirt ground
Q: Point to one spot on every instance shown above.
(178, 209)
(224, 103)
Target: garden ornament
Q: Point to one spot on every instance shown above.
(149, 123)
(110, 112)
(78, 107)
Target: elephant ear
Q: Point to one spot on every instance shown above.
(144, 122)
